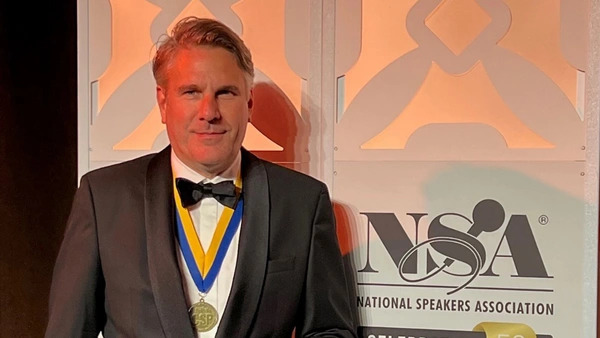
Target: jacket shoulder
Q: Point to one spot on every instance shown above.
(293, 180)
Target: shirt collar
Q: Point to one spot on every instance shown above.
(183, 171)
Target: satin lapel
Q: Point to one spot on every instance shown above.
(160, 241)
(251, 265)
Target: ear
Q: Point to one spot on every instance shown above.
(161, 99)
(250, 104)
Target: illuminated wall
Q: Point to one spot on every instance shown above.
(473, 114)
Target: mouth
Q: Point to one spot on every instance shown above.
(209, 135)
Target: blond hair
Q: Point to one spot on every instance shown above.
(195, 32)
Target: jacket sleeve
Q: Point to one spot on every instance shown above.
(76, 305)
(327, 308)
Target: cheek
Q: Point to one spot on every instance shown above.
(242, 126)
(235, 114)
(180, 115)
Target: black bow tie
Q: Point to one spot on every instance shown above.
(191, 193)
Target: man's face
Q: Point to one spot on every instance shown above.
(205, 104)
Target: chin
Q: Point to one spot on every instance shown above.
(211, 158)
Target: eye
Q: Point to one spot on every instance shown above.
(226, 94)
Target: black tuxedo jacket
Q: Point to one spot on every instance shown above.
(117, 271)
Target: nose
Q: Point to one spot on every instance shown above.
(209, 109)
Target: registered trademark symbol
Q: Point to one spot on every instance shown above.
(543, 220)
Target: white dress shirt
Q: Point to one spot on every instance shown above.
(205, 216)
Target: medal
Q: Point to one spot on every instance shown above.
(204, 266)
(203, 316)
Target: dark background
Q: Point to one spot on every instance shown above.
(38, 154)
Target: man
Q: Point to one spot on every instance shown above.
(202, 239)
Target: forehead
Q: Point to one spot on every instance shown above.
(205, 64)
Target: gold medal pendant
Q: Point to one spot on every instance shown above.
(204, 316)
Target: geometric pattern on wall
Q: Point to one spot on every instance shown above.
(465, 80)
(417, 79)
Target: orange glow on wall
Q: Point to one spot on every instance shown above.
(144, 135)
(131, 44)
(194, 8)
(263, 22)
(384, 39)
(535, 35)
(470, 98)
(457, 23)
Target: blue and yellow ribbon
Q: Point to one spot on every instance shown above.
(204, 266)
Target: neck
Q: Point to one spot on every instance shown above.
(226, 170)
(209, 172)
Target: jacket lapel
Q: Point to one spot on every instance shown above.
(165, 277)
(251, 265)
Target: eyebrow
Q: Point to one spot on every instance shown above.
(186, 88)
(231, 88)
